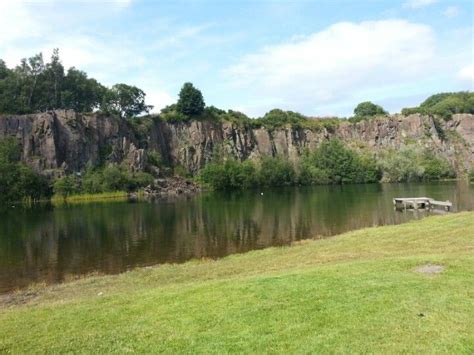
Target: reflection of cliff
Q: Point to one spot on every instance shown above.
(67, 140)
(49, 245)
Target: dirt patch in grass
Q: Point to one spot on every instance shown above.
(17, 298)
(430, 269)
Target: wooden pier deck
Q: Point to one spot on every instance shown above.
(420, 203)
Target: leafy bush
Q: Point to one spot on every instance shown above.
(435, 168)
(367, 110)
(230, 175)
(18, 181)
(471, 175)
(333, 163)
(67, 186)
(276, 171)
(109, 179)
(411, 164)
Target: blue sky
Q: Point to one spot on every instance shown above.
(316, 57)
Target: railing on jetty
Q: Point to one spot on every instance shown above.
(420, 203)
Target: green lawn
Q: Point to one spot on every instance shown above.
(358, 292)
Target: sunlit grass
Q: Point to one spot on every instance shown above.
(80, 198)
(358, 292)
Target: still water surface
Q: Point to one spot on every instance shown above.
(55, 244)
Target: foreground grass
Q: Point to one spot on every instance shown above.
(357, 292)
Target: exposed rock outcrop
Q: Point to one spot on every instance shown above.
(65, 141)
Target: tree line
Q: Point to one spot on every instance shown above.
(37, 86)
(332, 162)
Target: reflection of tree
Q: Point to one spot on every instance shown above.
(38, 245)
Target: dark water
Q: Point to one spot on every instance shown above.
(51, 245)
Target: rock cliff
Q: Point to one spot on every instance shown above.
(65, 141)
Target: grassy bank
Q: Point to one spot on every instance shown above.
(80, 198)
(358, 292)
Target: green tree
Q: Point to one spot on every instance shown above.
(125, 100)
(276, 171)
(66, 186)
(334, 163)
(367, 109)
(18, 181)
(80, 93)
(53, 82)
(191, 101)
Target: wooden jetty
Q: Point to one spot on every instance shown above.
(420, 203)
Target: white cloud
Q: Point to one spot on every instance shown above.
(18, 22)
(451, 11)
(342, 61)
(417, 4)
(467, 73)
(159, 99)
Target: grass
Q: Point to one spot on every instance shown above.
(81, 198)
(355, 293)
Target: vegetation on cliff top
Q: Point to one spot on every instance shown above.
(369, 291)
(445, 105)
(36, 86)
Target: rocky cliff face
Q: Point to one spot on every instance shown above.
(65, 141)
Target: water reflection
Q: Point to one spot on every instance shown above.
(52, 244)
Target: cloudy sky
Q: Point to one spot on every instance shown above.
(318, 57)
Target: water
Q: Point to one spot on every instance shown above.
(55, 244)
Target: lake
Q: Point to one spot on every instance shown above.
(51, 245)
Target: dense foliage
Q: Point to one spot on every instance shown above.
(108, 179)
(471, 175)
(411, 164)
(18, 182)
(334, 163)
(445, 104)
(367, 110)
(191, 101)
(331, 163)
(36, 86)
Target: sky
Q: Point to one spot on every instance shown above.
(319, 57)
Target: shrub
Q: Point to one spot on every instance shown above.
(435, 168)
(276, 171)
(66, 186)
(333, 163)
(230, 175)
(411, 164)
(471, 175)
(18, 181)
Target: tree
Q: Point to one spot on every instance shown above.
(18, 181)
(35, 86)
(368, 109)
(332, 162)
(81, 93)
(125, 100)
(191, 101)
(53, 82)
